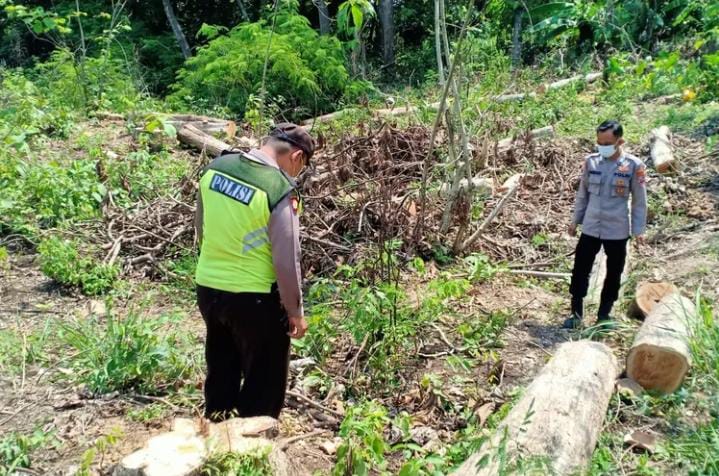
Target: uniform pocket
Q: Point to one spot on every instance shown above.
(620, 187)
(594, 183)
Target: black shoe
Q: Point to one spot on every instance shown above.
(606, 322)
(573, 322)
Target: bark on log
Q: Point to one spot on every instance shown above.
(661, 149)
(647, 296)
(559, 417)
(542, 132)
(660, 357)
(191, 135)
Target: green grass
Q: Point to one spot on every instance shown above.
(16, 450)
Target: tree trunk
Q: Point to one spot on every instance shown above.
(660, 356)
(194, 137)
(243, 10)
(647, 296)
(324, 17)
(386, 19)
(661, 149)
(558, 419)
(517, 37)
(438, 41)
(176, 28)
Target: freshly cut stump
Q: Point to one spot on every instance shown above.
(660, 357)
(647, 296)
(558, 419)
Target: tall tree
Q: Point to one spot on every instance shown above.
(176, 28)
(517, 37)
(324, 15)
(243, 10)
(438, 40)
(386, 19)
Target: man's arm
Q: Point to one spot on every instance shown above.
(582, 198)
(198, 219)
(639, 200)
(284, 231)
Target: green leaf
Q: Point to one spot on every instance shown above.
(357, 16)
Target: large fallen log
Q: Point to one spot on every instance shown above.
(191, 135)
(557, 421)
(648, 295)
(542, 132)
(660, 357)
(660, 143)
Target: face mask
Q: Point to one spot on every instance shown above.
(606, 151)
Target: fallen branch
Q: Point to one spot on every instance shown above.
(498, 208)
(540, 274)
(194, 137)
(314, 404)
(285, 442)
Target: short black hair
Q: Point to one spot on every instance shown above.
(611, 125)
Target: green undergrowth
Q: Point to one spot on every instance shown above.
(134, 353)
(17, 449)
(254, 463)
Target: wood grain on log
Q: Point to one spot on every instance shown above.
(191, 135)
(660, 357)
(649, 294)
(558, 419)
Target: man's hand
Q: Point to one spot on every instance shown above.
(640, 239)
(298, 327)
(572, 230)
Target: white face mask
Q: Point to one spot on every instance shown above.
(606, 151)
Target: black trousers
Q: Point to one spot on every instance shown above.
(247, 351)
(586, 252)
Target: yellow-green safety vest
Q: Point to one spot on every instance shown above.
(238, 196)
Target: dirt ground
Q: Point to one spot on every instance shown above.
(684, 249)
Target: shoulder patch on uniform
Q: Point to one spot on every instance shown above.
(233, 189)
(295, 204)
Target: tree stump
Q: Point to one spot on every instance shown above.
(648, 294)
(660, 357)
(557, 421)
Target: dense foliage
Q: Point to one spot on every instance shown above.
(305, 72)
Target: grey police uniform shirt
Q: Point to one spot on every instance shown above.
(603, 199)
(284, 231)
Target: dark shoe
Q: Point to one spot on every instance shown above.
(606, 322)
(573, 322)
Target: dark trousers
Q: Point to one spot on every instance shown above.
(587, 249)
(247, 352)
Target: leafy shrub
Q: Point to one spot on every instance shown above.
(61, 261)
(363, 446)
(305, 71)
(124, 354)
(15, 450)
(239, 464)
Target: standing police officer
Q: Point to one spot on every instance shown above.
(609, 178)
(248, 274)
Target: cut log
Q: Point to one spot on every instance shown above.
(558, 419)
(588, 78)
(660, 143)
(648, 294)
(599, 273)
(191, 135)
(660, 357)
(542, 132)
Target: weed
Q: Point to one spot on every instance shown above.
(236, 464)
(126, 354)
(61, 261)
(482, 334)
(148, 413)
(480, 268)
(363, 446)
(4, 259)
(16, 450)
(99, 448)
